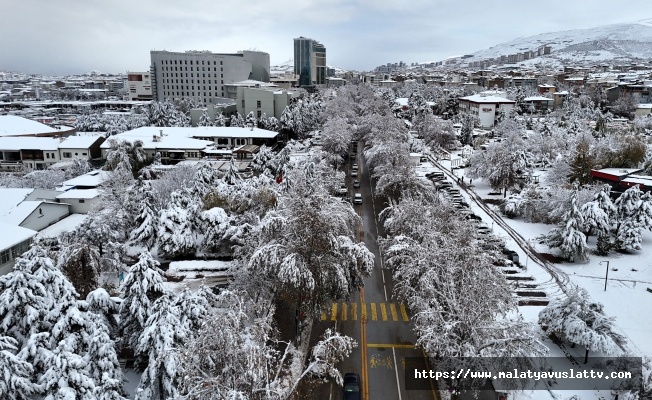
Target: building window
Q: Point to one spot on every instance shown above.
(47, 155)
(221, 63)
(84, 154)
(81, 201)
(67, 155)
(259, 113)
(4, 256)
(243, 103)
(257, 103)
(222, 141)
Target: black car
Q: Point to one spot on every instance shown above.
(352, 387)
(356, 183)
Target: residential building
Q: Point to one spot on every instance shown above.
(11, 125)
(81, 201)
(14, 241)
(263, 100)
(201, 75)
(486, 106)
(43, 152)
(309, 61)
(537, 103)
(140, 86)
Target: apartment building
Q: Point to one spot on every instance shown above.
(309, 61)
(201, 75)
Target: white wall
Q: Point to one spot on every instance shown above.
(45, 215)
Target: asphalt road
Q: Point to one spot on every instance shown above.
(379, 323)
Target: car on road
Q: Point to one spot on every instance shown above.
(354, 166)
(342, 191)
(357, 198)
(354, 173)
(356, 183)
(352, 386)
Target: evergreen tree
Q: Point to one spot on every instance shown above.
(232, 175)
(103, 365)
(236, 121)
(204, 120)
(147, 219)
(142, 287)
(162, 334)
(250, 121)
(15, 373)
(66, 376)
(81, 262)
(569, 237)
(629, 216)
(219, 120)
(583, 162)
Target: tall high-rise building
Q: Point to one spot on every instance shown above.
(309, 61)
(202, 75)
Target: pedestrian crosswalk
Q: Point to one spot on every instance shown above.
(366, 311)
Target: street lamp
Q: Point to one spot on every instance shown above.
(606, 275)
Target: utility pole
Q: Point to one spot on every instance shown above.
(606, 276)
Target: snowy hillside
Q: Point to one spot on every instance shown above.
(609, 42)
(288, 68)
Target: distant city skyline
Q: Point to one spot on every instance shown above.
(72, 37)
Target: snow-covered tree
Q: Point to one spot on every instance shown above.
(102, 305)
(147, 218)
(237, 121)
(214, 224)
(569, 237)
(162, 333)
(102, 361)
(232, 173)
(261, 158)
(175, 236)
(219, 120)
(204, 120)
(629, 214)
(336, 138)
(577, 319)
(81, 262)
(250, 120)
(66, 375)
(305, 248)
(15, 373)
(142, 287)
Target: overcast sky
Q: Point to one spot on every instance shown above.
(76, 36)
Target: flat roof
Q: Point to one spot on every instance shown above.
(67, 224)
(476, 98)
(16, 143)
(93, 178)
(80, 194)
(11, 125)
(173, 138)
(618, 171)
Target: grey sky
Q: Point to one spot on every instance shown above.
(75, 36)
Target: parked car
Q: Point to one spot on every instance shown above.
(354, 166)
(357, 198)
(354, 173)
(356, 183)
(342, 191)
(352, 386)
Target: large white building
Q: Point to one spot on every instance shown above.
(486, 106)
(202, 75)
(139, 86)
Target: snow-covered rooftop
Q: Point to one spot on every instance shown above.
(645, 105)
(252, 83)
(11, 125)
(173, 138)
(79, 142)
(80, 194)
(93, 178)
(15, 143)
(619, 171)
(11, 198)
(19, 213)
(65, 225)
(13, 234)
(477, 98)
(232, 132)
(537, 98)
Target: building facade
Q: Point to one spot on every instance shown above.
(139, 86)
(486, 107)
(268, 101)
(201, 75)
(309, 61)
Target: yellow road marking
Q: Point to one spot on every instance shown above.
(344, 314)
(392, 308)
(404, 313)
(383, 311)
(374, 314)
(363, 352)
(389, 346)
(334, 312)
(354, 311)
(323, 316)
(364, 311)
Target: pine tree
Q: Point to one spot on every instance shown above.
(175, 236)
(66, 376)
(580, 321)
(147, 219)
(582, 163)
(569, 237)
(142, 287)
(250, 121)
(103, 366)
(162, 334)
(15, 373)
(102, 305)
(204, 120)
(236, 121)
(630, 220)
(214, 224)
(81, 262)
(219, 120)
(232, 175)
